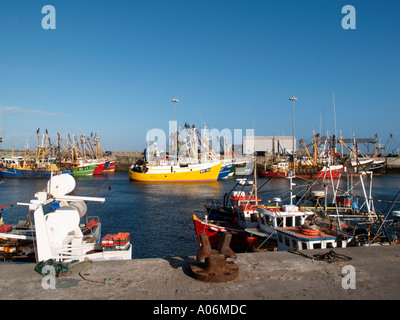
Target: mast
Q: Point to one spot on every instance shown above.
(37, 144)
(255, 180)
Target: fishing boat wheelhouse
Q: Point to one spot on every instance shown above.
(322, 237)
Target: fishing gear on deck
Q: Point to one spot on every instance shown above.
(330, 256)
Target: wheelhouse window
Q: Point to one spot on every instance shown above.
(317, 246)
(270, 221)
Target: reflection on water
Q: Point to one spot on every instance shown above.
(158, 216)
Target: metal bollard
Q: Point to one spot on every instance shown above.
(215, 267)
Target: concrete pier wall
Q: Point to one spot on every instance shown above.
(369, 273)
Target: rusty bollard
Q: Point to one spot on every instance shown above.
(215, 267)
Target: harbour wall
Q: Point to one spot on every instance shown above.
(126, 158)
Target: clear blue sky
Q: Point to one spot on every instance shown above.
(112, 67)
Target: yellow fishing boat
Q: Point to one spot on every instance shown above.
(175, 173)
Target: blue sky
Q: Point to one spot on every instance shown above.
(112, 67)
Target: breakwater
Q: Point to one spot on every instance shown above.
(126, 158)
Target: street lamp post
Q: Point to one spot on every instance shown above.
(174, 100)
(293, 99)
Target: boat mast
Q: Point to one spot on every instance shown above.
(255, 180)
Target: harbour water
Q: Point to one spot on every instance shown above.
(158, 216)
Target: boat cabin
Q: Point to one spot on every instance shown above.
(10, 161)
(245, 207)
(283, 217)
(293, 238)
(239, 198)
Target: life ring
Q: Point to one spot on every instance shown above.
(309, 232)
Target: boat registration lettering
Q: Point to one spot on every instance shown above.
(205, 170)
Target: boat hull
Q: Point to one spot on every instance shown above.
(99, 168)
(214, 233)
(110, 167)
(191, 173)
(244, 169)
(85, 170)
(225, 170)
(300, 174)
(20, 173)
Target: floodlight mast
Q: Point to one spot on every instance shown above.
(293, 99)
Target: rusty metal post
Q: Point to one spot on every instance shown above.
(215, 267)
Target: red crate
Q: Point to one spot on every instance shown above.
(121, 238)
(5, 228)
(108, 240)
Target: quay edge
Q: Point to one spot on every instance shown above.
(262, 276)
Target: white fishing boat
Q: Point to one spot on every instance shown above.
(60, 234)
(295, 228)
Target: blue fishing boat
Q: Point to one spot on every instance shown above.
(18, 168)
(225, 170)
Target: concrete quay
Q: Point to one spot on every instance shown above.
(262, 276)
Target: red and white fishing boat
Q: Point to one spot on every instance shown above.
(244, 215)
(99, 168)
(110, 167)
(282, 170)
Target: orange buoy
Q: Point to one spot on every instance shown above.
(250, 240)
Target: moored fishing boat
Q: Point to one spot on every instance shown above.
(183, 165)
(282, 169)
(66, 233)
(83, 169)
(214, 230)
(20, 168)
(111, 166)
(225, 170)
(235, 217)
(244, 167)
(166, 172)
(99, 167)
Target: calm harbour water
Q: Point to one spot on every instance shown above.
(158, 216)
